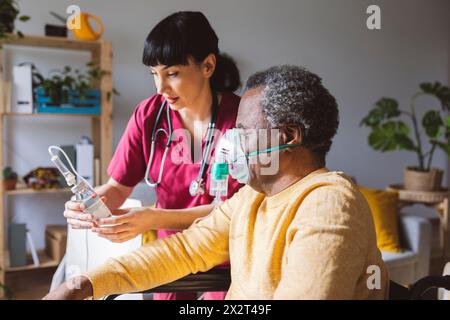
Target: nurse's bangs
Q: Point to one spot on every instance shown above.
(165, 46)
(187, 35)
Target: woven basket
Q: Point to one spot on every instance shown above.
(423, 180)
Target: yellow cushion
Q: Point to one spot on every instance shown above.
(384, 207)
(150, 235)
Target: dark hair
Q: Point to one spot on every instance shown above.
(292, 95)
(188, 34)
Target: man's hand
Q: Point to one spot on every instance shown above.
(77, 288)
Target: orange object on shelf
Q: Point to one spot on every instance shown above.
(85, 30)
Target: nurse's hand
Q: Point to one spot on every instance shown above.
(75, 216)
(125, 224)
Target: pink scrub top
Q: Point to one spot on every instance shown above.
(130, 159)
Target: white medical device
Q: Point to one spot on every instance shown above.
(83, 191)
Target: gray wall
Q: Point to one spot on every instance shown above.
(328, 37)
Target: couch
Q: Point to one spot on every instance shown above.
(414, 262)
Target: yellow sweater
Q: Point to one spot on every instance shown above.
(313, 240)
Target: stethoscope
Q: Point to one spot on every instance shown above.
(197, 186)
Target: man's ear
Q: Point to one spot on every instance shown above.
(209, 65)
(291, 135)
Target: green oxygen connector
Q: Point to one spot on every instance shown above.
(218, 181)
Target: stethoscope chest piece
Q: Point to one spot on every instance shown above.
(197, 187)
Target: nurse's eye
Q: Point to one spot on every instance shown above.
(172, 74)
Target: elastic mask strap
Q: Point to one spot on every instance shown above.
(268, 150)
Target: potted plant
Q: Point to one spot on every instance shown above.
(66, 83)
(56, 86)
(390, 133)
(6, 292)
(9, 11)
(9, 179)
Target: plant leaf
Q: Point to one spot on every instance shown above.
(24, 18)
(432, 122)
(441, 92)
(384, 109)
(393, 135)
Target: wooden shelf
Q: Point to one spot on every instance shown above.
(44, 115)
(426, 197)
(436, 253)
(32, 191)
(52, 42)
(101, 125)
(45, 262)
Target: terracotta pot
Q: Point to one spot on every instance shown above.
(9, 184)
(423, 180)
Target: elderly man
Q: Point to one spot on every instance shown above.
(298, 232)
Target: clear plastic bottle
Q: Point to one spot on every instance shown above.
(83, 191)
(92, 202)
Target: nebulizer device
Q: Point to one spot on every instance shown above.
(218, 183)
(229, 159)
(82, 190)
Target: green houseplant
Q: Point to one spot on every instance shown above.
(9, 179)
(388, 132)
(6, 292)
(9, 11)
(61, 82)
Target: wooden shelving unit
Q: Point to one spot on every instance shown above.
(44, 260)
(20, 191)
(101, 126)
(45, 115)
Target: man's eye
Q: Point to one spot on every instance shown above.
(172, 74)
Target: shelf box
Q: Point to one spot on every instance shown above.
(90, 104)
(55, 241)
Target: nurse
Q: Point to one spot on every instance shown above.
(168, 139)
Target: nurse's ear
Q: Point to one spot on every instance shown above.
(209, 65)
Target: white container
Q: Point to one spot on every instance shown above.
(22, 90)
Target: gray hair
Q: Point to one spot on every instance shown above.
(292, 95)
